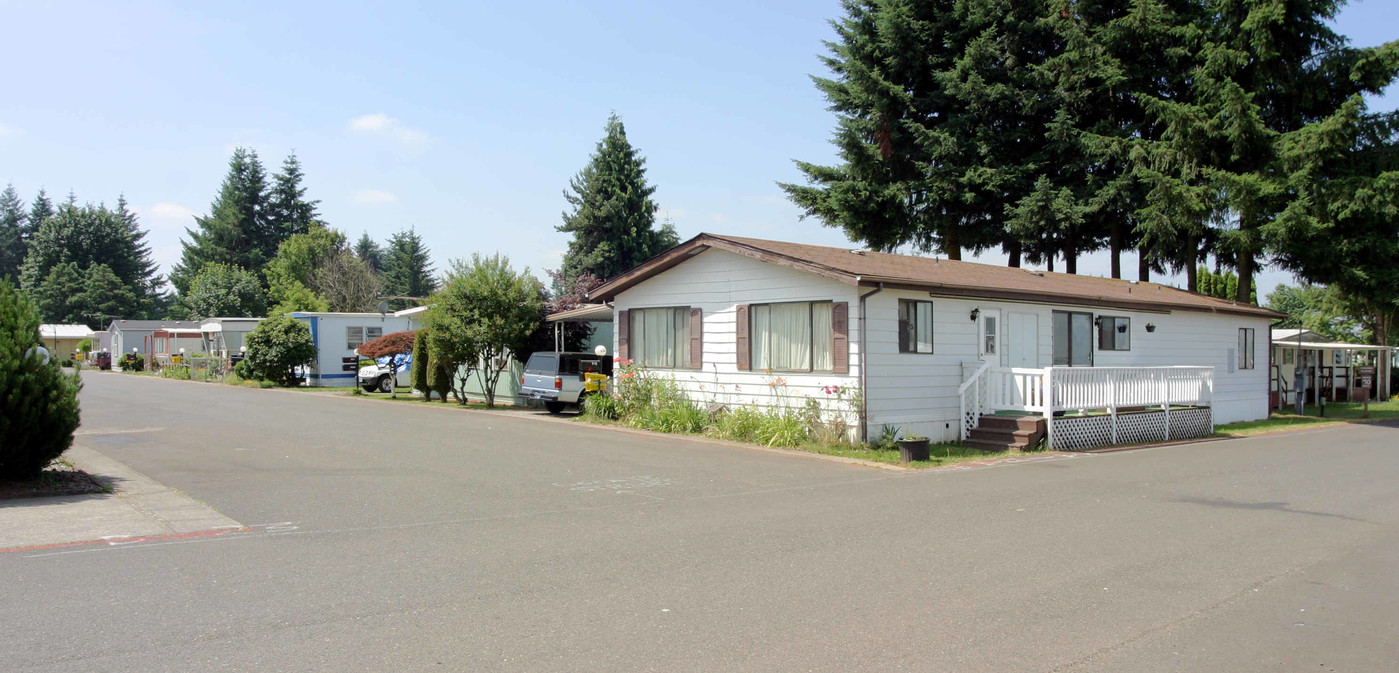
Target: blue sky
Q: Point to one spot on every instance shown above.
(464, 120)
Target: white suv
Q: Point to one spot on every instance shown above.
(376, 376)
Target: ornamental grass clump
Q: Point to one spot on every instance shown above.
(38, 401)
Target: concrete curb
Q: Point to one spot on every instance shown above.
(138, 507)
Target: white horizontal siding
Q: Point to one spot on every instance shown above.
(716, 282)
(914, 392)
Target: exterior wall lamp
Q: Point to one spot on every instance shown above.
(976, 312)
(1150, 327)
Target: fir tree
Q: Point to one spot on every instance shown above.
(408, 270)
(105, 297)
(1267, 69)
(369, 252)
(39, 407)
(235, 231)
(41, 209)
(12, 221)
(88, 236)
(288, 211)
(613, 219)
(57, 293)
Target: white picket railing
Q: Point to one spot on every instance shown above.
(1078, 388)
(1056, 389)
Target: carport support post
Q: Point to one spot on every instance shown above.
(1048, 402)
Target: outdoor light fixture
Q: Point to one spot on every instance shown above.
(1098, 321)
(976, 312)
(1150, 327)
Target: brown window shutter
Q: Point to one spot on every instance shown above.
(696, 339)
(741, 352)
(840, 337)
(623, 334)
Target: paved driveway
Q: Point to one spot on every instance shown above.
(395, 537)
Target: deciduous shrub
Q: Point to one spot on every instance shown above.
(132, 362)
(276, 347)
(38, 402)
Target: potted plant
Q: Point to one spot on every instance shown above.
(913, 448)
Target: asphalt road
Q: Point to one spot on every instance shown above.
(397, 537)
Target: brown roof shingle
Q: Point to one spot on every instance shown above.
(940, 276)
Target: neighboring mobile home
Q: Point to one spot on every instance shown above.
(337, 335)
(223, 337)
(136, 334)
(170, 342)
(934, 345)
(1332, 369)
(62, 340)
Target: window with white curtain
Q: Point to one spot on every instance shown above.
(372, 333)
(354, 337)
(792, 337)
(660, 337)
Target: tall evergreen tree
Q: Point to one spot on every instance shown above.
(1266, 70)
(613, 219)
(41, 209)
(408, 270)
(12, 221)
(235, 231)
(88, 236)
(369, 252)
(288, 211)
(1343, 227)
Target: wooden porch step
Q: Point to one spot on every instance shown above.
(1003, 433)
(1007, 422)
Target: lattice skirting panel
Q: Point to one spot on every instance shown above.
(1076, 433)
(1187, 423)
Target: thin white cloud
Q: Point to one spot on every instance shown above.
(165, 216)
(372, 197)
(7, 131)
(384, 126)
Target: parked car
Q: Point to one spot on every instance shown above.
(559, 380)
(376, 376)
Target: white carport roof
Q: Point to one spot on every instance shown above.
(1332, 346)
(64, 331)
(584, 313)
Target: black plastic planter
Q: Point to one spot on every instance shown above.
(913, 449)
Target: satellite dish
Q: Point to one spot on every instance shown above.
(383, 307)
(601, 350)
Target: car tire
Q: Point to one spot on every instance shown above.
(370, 388)
(554, 407)
(384, 383)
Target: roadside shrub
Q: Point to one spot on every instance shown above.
(132, 362)
(602, 407)
(177, 372)
(276, 347)
(740, 424)
(38, 402)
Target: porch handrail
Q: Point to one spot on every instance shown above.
(976, 403)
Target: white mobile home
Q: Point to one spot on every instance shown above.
(223, 337)
(337, 335)
(1332, 371)
(933, 346)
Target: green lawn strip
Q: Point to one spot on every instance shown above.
(1336, 414)
(407, 398)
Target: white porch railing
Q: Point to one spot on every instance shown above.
(1058, 389)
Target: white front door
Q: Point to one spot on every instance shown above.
(989, 337)
(1024, 340)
